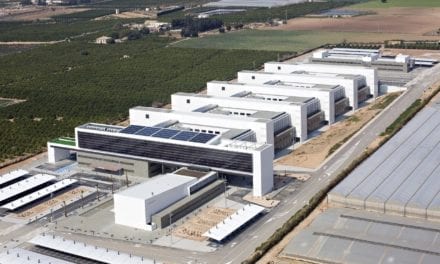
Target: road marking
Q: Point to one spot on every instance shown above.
(233, 244)
(269, 220)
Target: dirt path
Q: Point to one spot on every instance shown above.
(30, 42)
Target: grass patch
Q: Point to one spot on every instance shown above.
(404, 118)
(339, 144)
(278, 40)
(83, 16)
(64, 141)
(353, 119)
(384, 102)
(398, 3)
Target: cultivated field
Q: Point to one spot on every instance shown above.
(409, 23)
(303, 33)
(30, 13)
(399, 3)
(281, 40)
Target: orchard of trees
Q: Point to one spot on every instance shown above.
(88, 82)
(192, 26)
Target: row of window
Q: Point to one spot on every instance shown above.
(239, 113)
(205, 131)
(168, 152)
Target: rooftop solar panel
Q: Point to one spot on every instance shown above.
(202, 138)
(185, 135)
(148, 131)
(131, 129)
(168, 133)
(165, 133)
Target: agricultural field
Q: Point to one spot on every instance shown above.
(276, 40)
(144, 3)
(9, 49)
(27, 31)
(265, 14)
(398, 3)
(383, 21)
(71, 83)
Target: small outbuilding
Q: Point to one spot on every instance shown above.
(104, 40)
(135, 205)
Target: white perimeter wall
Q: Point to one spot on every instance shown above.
(298, 113)
(263, 130)
(326, 97)
(370, 74)
(350, 85)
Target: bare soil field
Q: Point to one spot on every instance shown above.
(414, 22)
(197, 225)
(420, 53)
(312, 153)
(31, 13)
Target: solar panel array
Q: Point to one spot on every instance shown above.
(175, 134)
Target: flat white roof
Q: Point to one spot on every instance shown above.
(155, 186)
(12, 176)
(87, 251)
(39, 194)
(233, 222)
(24, 185)
(23, 256)
(318, 75)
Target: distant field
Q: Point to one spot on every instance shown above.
(275, 40)
(265, 14)
(398, 3)
(8, 49)
(27, 31)
(145, 3)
